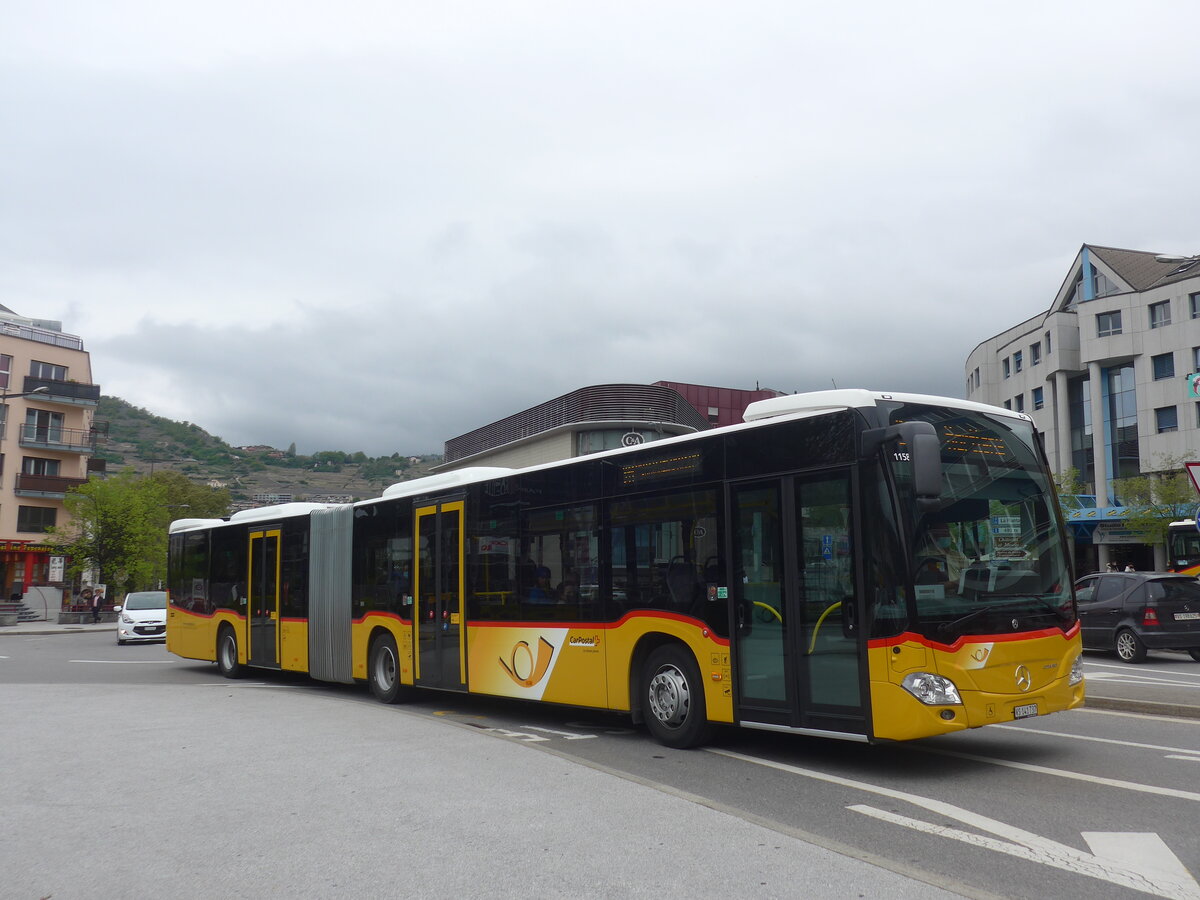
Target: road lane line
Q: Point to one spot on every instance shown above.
(1065, 773)
(1125, 667)
(1100, 740)
(127, 662)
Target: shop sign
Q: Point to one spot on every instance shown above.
(1114, 533)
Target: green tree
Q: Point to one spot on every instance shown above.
(118, 525)
(1156, 499)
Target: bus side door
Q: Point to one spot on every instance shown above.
(798, 651)
(441, 659)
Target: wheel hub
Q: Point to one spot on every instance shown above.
(670, 697)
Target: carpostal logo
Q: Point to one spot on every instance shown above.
(579, 640)
(524, 667)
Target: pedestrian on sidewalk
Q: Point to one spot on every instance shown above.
(97, 603)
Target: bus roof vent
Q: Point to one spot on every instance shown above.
(814, 401)
(468, 475)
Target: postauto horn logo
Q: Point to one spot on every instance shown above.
(524, 667)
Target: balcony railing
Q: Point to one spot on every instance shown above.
(63, 391)
(43, 335)
(45, 485)
(68, 440)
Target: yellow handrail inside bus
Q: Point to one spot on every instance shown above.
(813, 643)
(772, 609)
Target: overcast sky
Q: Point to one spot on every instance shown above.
(378, 225)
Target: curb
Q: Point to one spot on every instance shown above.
(1150, 707)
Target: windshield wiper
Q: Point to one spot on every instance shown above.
(946, 629)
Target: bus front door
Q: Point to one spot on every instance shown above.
(262, 585)
(441, 659)
(798, 650)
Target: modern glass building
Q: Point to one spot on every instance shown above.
(1109, 374)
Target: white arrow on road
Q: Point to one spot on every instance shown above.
(1155, 869)
(1136, 860)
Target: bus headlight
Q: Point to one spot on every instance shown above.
(932, 690)
(1076, 671)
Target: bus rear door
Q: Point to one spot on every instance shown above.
(441, 659)
(798, 647)
(262, 585)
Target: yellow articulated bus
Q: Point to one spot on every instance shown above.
(857, 565)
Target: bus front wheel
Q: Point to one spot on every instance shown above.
(227, 654)
(674, 698)
(383, 667)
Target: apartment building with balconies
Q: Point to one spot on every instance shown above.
(47, 438)
(1106, 373)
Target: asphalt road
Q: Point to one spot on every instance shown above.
(273, 785)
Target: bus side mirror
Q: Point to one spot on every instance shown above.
(923, 452)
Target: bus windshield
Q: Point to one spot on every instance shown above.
(988, 557)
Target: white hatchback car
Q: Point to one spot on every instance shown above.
(142, 617)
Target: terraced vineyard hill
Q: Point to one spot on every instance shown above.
(139, 440)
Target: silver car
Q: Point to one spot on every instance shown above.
(142, 617)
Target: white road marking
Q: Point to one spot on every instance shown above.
(1131, 670)
(1178, 756)
(127, 662)
(1015, 841)
(1167, 879)
(1134, 678)
(1100, 740)
(1065, 773)
(569, 735)
(1143, 852)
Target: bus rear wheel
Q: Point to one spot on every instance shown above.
(227, 654)
(383, 670)
(674, 698)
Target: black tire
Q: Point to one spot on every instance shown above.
(673, 697)
(227, 653)
(383, 670)
(1194, 653)
(1129, 647)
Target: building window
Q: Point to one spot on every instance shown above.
(1196, 359)
(35, 518)
(1035, 354)
(1164, 366)
(1198, 415)
(1017, 361)
(5, 370)
(1160, 314)
(1194, 305)
(1166, 418)
(49, 371)
(1008, 404)
(36, 465)
(1049, 350)
(1108, 323)
(1020, 403)
(977, 376)
(1038, 402)
(1103, 285)
(1007, 368)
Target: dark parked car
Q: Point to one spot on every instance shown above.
(1131, 612)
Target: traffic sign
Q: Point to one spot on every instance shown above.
(1193, 470)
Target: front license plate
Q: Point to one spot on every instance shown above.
(1024, 712)
(1186, 617)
